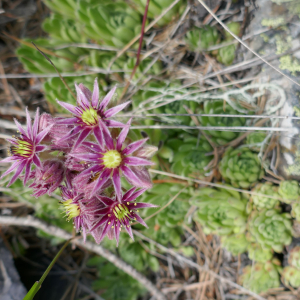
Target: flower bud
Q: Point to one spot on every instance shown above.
(48, 178)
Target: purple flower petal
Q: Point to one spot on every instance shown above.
(123, 134)
(128, 228)
(11, 168)
(20, 128)
(99, 136)
(134, 146)
(92, 157)
(144, 205)
(139, 219)
(84, 133)
(36, 124)
(136, 161)
(135, 195)
(18, 172)
(130, 176)
(117, 183)
(128, 193)
(68, 121)
(106, 228)
(27, 172)
(28, 121)
(37, 161)
(95, 96)
(86, 91)
(114, 110)
(81, 98)
(8, 159)
(103, 177)
(143, 174)
(113, 123)
(99, 223)
(117, 231)
(105, 200)
(106, 99)
(107, 137)
(40, 148)
(43, 133)
(71, 108)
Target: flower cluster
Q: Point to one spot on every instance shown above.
(85, 156)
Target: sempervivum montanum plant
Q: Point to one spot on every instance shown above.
(217, 107)
(241, 167)
(261, 276)
(220, 211)
(271, 229)
(268, 189)
(289, 190)
(190, 155)
(87, 173)
(257, 253)
(291, 276)
(294, 257)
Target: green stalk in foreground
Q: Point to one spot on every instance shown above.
(38, 284)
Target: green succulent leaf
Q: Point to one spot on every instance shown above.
(241, 167)
(219, 211)
(289, 190)
(261, 276)
(270, 229)
(261, 202)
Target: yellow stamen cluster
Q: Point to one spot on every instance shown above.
(90, 117)
(23, 148)
(72, 210)
(121, 211)
(112, 159)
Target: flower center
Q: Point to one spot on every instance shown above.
(72, 209)
(112, 159)
(23, 148)
(121, 211)
(90, 117)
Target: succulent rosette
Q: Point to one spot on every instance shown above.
(241, 167)
(25, 148)
(261, 276)
(90, 115)
(220, 211)
(217, 107)
(254, 140)
(190, 155)
(235, 243)
(289, 190)
(259, 254)
(294, 257)
(291, 276)
(267, 189)
(271, 229)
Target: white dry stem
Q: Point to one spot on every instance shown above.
(59, 233)
(192, 264)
